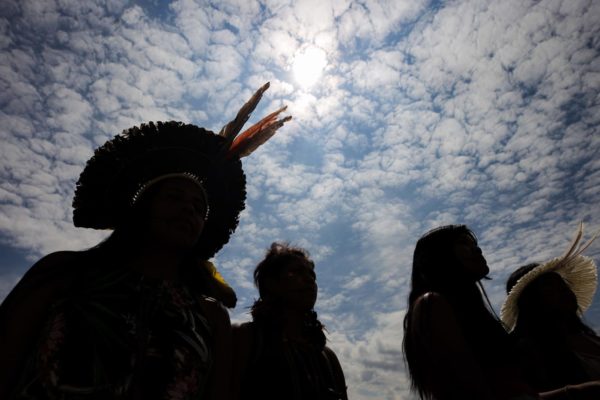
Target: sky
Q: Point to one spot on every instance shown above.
(407, 115)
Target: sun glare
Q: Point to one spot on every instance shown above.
(308, 65)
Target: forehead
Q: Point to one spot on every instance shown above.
(298, 262)
(550, 279)
(465, 238)
(181, 184)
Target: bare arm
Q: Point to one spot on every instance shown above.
(218, 317)
(583, 391)
(24, 311)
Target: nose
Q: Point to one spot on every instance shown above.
(186, 210)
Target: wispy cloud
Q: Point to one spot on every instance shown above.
(426, 113)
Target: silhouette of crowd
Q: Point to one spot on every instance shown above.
(142, 314)
(456, 347)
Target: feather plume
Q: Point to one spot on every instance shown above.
(578, 271)
(257, 134)
(573, 246)
(233, 127)
(576, 248)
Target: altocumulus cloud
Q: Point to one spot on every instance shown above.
(426, 113)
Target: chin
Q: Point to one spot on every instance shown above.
(182, 244)
(305, 306)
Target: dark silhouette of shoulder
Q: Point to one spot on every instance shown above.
(47, 277)
(337, 373)
(432, 305)
(24, 311)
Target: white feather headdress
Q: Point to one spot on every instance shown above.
(578, 271)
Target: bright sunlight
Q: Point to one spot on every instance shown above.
(308, 65)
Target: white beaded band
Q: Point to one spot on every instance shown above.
(187, 175)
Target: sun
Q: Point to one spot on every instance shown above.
(308, 65)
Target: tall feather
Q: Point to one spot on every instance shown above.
(583, 246)
(233, 127)
(573, 246)
(257, 134)
(576, 247)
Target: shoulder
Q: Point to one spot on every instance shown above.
(49, 276)
(337, 372)
(433, 315)
(243, 333)
(243, 327)
(26, 307)
(330, 354)
(214, 311)
(431, 298)
(59, 257)
(431, 302)
(54, 265)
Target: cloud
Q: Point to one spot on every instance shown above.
(373, 364)
(484, 113)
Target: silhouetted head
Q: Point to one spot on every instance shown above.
(446, 256)
(176, 211)
(546, 312)
(448, 261)
(287, 286)
(286, 275)
(548, 294)
(518, 274)
(170, 213)
(140, 157)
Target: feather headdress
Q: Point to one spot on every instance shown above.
(123, 168)
(253, 137)
(579, 273)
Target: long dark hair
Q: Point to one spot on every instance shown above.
(437, 269)
(267, 311)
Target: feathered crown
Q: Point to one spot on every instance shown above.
(578, 271)
(124, 166)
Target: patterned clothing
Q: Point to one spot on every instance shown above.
(284, 369)
(116, 335)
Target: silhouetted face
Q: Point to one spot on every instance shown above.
(470, 257)
(551, 294)
(176, 213)
(296, 286)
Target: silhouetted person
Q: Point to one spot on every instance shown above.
(544, 314)
(131, 317)
(282, 354)
(454, 345)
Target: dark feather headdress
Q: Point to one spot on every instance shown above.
(123, 165)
